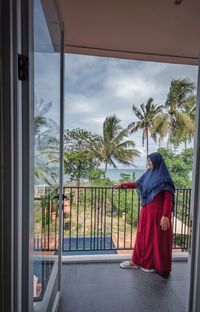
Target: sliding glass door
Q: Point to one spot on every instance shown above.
(48, 134)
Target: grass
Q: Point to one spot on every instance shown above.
(85, 221)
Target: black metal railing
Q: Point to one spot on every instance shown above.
(46, 223)
(100, 219)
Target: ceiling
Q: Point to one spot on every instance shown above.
(152, 30)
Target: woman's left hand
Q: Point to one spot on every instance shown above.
(164, 222)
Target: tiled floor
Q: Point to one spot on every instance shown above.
(104, 287)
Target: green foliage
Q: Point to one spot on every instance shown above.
(179, 92)
(102, 182)
(95, 174)
(80, 140)
(78, 165)
(96, 177)
(46, 145)
(177, 119)
(187, 156)
(127, 202)
(179, 165)
(132, 216)
(127, 177)
(182, 240)
(43, 208)
(124, 177)
(114, 145)
(147, 114)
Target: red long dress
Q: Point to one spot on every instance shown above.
(153, 246)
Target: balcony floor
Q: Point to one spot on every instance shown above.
(104, 287)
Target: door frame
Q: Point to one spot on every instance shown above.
(17, 294)
(15, 160)
(193, 298)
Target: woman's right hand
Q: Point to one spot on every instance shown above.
(117, 186)
(123, 185)
(164, 223)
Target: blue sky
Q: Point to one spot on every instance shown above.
(97, 87)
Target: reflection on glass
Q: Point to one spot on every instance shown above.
(46, 157)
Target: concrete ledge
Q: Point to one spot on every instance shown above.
(94, 258)
(113, 258)
(180, 256)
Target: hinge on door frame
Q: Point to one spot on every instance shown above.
(22, 67)
(63, 197)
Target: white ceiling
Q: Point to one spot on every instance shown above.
(153, 30)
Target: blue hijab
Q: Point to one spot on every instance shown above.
(154, 181)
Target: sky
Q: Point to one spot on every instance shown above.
(97, 87)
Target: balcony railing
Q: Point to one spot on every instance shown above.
(100, 220)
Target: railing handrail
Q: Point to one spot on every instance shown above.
(105, 204)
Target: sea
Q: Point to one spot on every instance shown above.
(114, 173)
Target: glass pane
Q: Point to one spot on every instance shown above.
(46, 160)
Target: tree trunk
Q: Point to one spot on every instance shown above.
(78, 177)
(168, 139)
(78, 182)
(169, 132)
(105, 171)
(185, 144)
(147, 141)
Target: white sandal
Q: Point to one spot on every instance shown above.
(128, 265)
(148, 270)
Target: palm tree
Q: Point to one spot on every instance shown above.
(114, 146)
(177, 121)
(146, 115)
(189, 108)
(46, 144)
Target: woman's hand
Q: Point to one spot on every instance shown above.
(124, 185)
(117, 186)
(164, 222)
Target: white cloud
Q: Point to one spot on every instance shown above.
(129, 88)
(80, 104)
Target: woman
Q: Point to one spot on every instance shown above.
(153, 247)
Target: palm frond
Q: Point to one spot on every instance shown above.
(137, 112)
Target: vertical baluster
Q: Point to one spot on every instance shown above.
(91, 225)
(118, 217)
(132, 207)
(70, 218)
(102, 193)
(176, 209)
(105, 218)
(185, 216)
(63, 221)
(77, 218)
(98, 203)
(95, 204)
(111, 225)
(189, 225)
(182, 216)
(125, 219)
